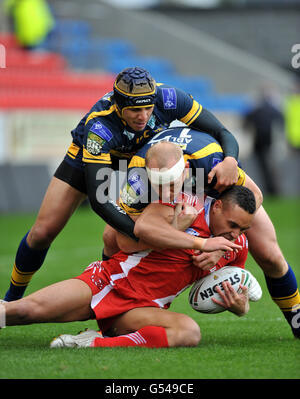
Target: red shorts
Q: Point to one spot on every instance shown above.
(107, 301)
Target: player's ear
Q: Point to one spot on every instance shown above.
(218, 205)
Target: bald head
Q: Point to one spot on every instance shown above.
(163, 155)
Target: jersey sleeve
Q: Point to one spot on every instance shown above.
(178, 105)
(217, 158)
(135, 194)
(97, 142)
(231, 258)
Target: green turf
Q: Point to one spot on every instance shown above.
(259, 345)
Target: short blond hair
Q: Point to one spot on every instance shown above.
(162, 152)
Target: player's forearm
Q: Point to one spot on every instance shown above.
(208, 123)
(163, 235)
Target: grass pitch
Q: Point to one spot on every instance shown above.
(259, 345)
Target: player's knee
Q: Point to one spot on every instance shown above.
(41, 235)
(192, 333)
(271, 259)
(108, 236)
(109, 241)
(187, 332)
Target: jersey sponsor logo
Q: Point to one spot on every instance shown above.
(169, 98)
(101, 131)
(134, 188)
(210, 291)
(143, 101)
(151, 122)
(97, 136)
(192, 232)
(182, 140)
(215, 162)
(227, 255)
(117, 207)
(130, 135)
(136, 183)
(128, 195)
(94, 143)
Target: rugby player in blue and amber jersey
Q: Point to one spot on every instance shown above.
(202, 151)
(115, 128)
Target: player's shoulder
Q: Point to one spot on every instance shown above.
(169, 97)
(103, 110)
(103, 120)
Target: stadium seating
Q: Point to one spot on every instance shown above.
(42, 79)
(49, 76)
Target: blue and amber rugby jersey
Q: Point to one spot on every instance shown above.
(102, 132)
(202, 152)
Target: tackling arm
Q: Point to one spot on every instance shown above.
(225, 172)
(182, 217)
(208, 123)
(98, 181)
(154, 227)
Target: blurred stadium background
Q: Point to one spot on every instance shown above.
(223, 52)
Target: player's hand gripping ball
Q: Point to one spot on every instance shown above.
(203, 290)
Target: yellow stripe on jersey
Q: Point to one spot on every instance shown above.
(204, 152)
(194, 112)
(124, 155)
(241, 178)
(73, 151)
(288, 303)
(130, 211)
(210, 149)
(95, 114)
(137, 162)
(101, 158)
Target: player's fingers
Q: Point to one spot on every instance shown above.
(222, 295)
(231, 247)
(211, 175)
(244, 289)
(220, 187)
(230, 244)
(230, 290)
(200, 257)
(201, 264)
(219, 302)
(223, 302)
(204, 265)
(178, 208)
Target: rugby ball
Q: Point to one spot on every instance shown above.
(203, 290)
